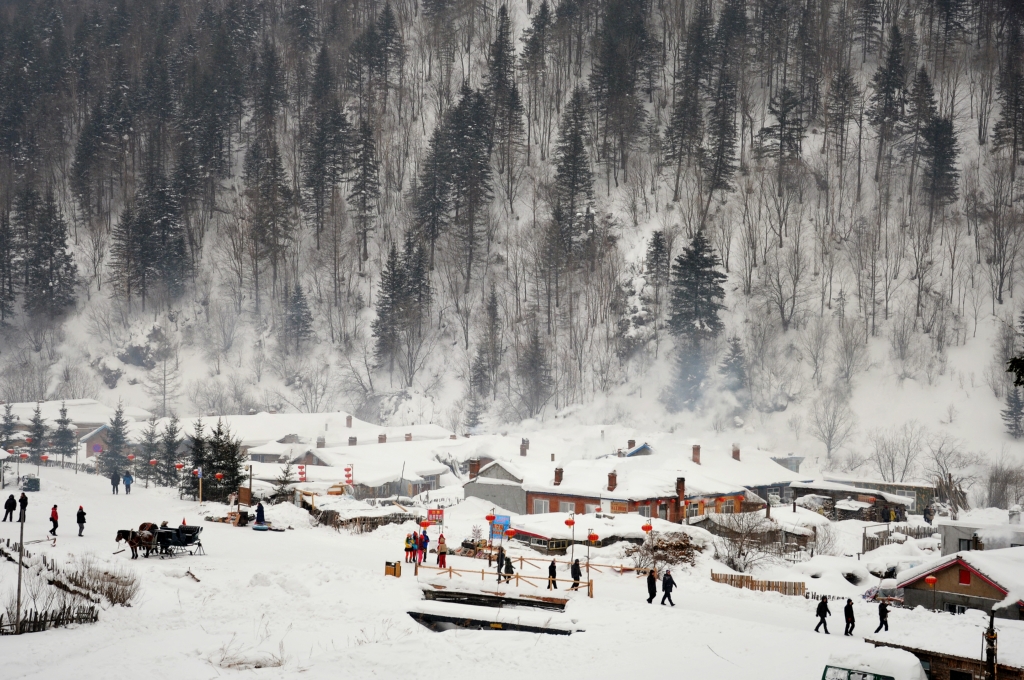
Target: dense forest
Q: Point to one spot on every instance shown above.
(519, 206)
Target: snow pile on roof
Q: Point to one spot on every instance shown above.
(626, 526)
(81, 412)
(1004, 567)
(824, 485)
(349, 508)
(886, 661)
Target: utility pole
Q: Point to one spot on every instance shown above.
(21, 556)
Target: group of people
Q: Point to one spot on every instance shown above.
(116, 479)
(851, 621)
(416, 545)
(10, 505)
(668, 584)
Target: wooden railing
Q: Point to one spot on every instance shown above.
(871, 542)
(504, 578)
(750, 583)
(34, 622)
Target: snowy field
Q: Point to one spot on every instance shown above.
(318, 603)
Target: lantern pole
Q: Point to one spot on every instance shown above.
(21, 554)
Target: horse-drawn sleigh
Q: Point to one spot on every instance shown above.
(163, 540)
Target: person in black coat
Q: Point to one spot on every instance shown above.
(823, 611)
(260, 516)
(883, 617)
(652, 585)
(667, 584)
(115, 481)
(23, 502)
(577, 574)
(552, 574)
(848, 614)
(80, 518)
(509, 571)
(9, 507)
(501, 561)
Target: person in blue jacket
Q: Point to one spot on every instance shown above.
(424, 545)
(128, 479)
(260, 518)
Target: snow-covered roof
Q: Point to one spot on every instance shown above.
(1003, 567)
(81, 412)
(824, 485)
(552, 525)
(882, 661)
(853, 480)
(959, 635)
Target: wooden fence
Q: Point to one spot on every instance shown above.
(885, 537)
(750, 583)
(504, 578)
(35, 622)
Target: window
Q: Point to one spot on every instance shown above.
(727, 508)
(965, 577)
(566, 507)
(961, 675)
(965, 544)
(540, 506)
(693, 509)
(663, 511)
(908, 494)
(787, 494)
(590, 507)
(644, 510)
(954, 608)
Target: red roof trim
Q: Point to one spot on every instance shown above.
(947, 565)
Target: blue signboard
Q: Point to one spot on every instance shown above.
(499, 525)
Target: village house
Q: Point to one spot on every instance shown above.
(963, 536)
(921, 494)
(842, 501)
(969, 580)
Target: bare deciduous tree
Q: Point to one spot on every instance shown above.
(832, 421)
(895, 451)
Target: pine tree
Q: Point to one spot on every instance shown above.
(170, 442)
(365, 185)
(889, 98)
(115, 457)
(534, 372)
(697, 293)
(686, 125)
(389, 304)
(734, 366)
(149, 447)
(534, 63)
(223, 456)
(298, 322)
(65, 445)
(940, 173)
(470, 174)
(283, 484)
(1008, 132)
(433, 198)
(691, 373)
(198, 459)
(783, 139)
(843, 99)
(490, 352)
(657, 268)
(37, 436)
(574, 182)
(1013, 414)
(7, 427)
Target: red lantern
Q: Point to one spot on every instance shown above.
(195, 472)
(489, 518)
(44, 457)
(510, 532)
(219, 476)
(647, 528)
(152, 461)
(424, 524)
(131, 456)
(592, 537)
(178, 466)
(597, 509)
(24, 456)
(930, 580)
(28, 440)
(570, 522)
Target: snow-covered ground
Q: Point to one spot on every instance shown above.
(318, 602)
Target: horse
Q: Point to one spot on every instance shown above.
(144, 537)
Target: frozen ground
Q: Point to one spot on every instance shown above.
(319, 602)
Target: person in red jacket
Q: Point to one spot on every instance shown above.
(53, 518)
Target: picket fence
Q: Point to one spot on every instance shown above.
(35, 622)
(750, 583)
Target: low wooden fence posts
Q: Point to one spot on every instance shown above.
(750, 583)
(35, 622)
(484, 573)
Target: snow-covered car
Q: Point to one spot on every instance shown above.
(874, 663)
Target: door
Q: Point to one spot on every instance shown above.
(960, 675)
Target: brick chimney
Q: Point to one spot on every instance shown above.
(558, 476)
(408, 436)
(474, 468)
(320, 442)
(526, 443)
(351, 441)
(696, 454)
(522, 449)
(382, 439)
(348, 421)
(735, 451)
(552, 458)
(631, 444)
(613, 480)
(453, 436)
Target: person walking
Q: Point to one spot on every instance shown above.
(128, 479)
(9, 507)
(509, 571)
(667, 584)
(424, 545)
(848, 615)
(261, 517)
(23, 502)
(415, 546)
(501, 561)
(822, 612)
(408, 548)
(552, 575)
(577, 574)
(53, 520)
(442, 552)
(115, 481)
(883, 617)
(652, 585)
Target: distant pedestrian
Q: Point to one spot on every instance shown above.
(848, 615)
(424, 545)
(577, 574)
(501, 561)
(509, 571)
(261, 517)
(53, 520)
(23, 502)
(128, 479)
(115, 481)
(822, 612)
(883, 617)
(667, 584)
(652, 585)
(408, 548)
(552, 575)
(9, 507)
(442, 552)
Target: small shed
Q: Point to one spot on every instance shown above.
(969, 580)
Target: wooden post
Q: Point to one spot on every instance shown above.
(590, 588)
